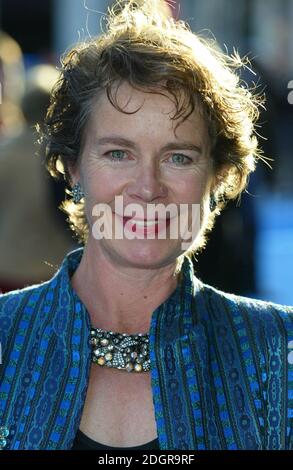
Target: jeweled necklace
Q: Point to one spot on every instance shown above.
(120, 351)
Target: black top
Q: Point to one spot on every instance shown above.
(83, 442)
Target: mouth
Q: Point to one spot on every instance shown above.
(142, 222)
(144, 226)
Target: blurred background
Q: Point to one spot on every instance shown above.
(250, 251)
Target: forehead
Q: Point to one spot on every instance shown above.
(145, 111)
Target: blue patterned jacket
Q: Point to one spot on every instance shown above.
(221, 366)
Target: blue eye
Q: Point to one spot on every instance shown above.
(116, 155)
(177, 158)
(182, 160)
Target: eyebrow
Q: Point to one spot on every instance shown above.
(117, 140)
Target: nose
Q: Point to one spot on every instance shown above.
(147, 185)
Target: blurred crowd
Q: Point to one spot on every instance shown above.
(33, 235)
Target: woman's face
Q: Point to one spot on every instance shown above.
(139, 158)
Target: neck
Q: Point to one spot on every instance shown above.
(118, 297)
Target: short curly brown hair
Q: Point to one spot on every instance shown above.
(154, 52)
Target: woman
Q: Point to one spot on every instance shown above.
(124, 347)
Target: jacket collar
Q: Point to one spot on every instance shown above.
(172, 324)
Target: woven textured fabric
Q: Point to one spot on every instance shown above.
(221, 367)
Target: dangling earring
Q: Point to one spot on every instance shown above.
(77, 193)
(213, 202)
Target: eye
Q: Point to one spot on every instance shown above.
(181, 159)
(116, 155)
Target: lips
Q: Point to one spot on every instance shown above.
(144, 226)
(141, 222)
(145, 221)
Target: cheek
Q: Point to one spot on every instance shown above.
(102, 184)
(190, 189)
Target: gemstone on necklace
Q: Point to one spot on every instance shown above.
(108, 356)
(101, 361)
(138, 368)
(129, 367)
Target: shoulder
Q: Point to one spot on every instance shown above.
(24, 309)
(12, 300)
(252, 310)
(15, 305)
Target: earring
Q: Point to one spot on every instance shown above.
(213, 202)
(77, 193)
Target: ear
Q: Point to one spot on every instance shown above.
(73, 173)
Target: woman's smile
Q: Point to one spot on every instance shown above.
(144, 227)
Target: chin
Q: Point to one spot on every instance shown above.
(149, 254)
